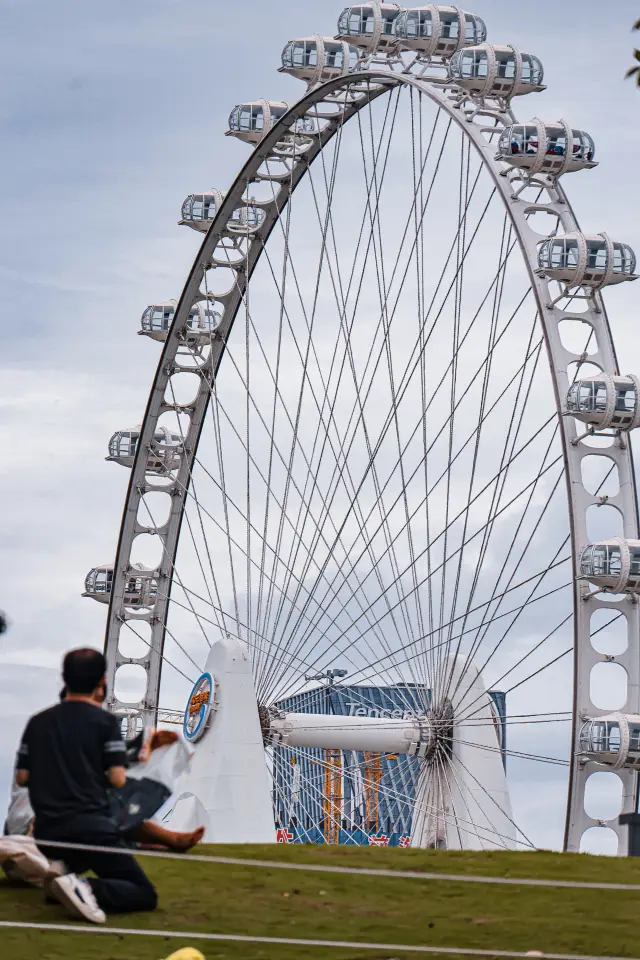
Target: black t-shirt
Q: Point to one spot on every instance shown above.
(67, 750)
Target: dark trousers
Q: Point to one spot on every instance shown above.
(120, 884)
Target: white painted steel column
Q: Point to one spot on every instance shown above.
(329, 732)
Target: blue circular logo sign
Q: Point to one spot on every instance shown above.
(199, 706)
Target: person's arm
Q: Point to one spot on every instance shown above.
(117, 776)
(22, 760)
(114, 757)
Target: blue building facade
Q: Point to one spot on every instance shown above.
(373, 799)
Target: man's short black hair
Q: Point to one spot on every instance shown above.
(83, 669)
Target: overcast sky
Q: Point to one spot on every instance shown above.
(111, 114)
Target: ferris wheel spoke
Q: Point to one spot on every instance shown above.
(459, 452)
(278, 649)
(492, 611)
(190, 529)
(375, 532)
(472, 435)
(462, 794)
(379, 260)
(273, 446)
(469, 630)
(593, 634)
(240, 548)
(469, 506)
(350, 642)
(336, 486)
(215, 418)
(436, 813)
(175, 575)
(482, 634)
(478, 434)
(339, 285)
(164, 658)
(468, 773)
(501, 484)
(517, 754)
(523, 553)
(237, 508)
(300, 666)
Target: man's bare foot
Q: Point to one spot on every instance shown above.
(185, 841)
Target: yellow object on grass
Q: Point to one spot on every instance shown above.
(187, 953)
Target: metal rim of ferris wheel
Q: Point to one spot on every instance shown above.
(412, 97)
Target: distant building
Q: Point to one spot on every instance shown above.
(347, 796)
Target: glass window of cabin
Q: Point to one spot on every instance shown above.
(389, 16)
(415, 24)
(614, 561)
(103, 581)
(531, 140)
(573, 397)
(472, 64)
(588, 147)
(449, 26)
(357, 20)
(593, 396)
(612, 737)
(559, 254)
(193, 320)
(602, 736)
(343, 22)
(565, 254)
(605, 561)
(305, 54)
(333, 55)
(624, 260)
(634, 556)
(203, 207)
(583, 146)
(161, 318)
(506, 65)
(585, 561)
(248, 118)
(626, 399)
(287, 55)
(634, 739)
(532, 71)
(475, 30)
(597, 255)
(516, 140)
(556, 141)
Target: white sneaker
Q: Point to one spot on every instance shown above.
(77, 896)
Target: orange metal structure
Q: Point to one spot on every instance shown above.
(332, 799)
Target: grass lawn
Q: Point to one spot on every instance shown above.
(224, 898)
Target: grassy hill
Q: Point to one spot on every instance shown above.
(223, 898)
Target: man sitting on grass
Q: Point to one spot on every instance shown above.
(68, 756)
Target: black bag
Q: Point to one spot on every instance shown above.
(136, 802)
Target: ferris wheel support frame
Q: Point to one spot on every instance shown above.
(361, 89)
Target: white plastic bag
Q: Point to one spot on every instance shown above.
(21, 860)
(20, 813)
(165, 765)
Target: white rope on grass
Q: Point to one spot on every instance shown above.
(357, 871)
(298, 942)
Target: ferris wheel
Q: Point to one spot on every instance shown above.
(381, 532)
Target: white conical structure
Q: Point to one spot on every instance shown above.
(227, 788)
(462, 799)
